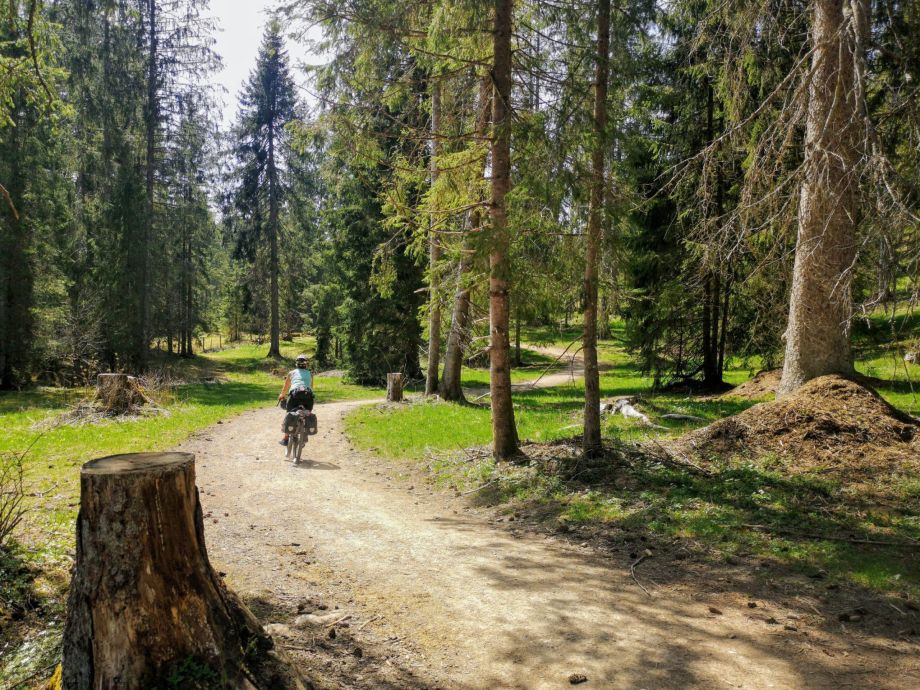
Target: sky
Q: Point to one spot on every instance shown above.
(240, 25)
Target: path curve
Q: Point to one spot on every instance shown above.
(457, 601)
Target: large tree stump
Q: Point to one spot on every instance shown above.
(394, 387)
(119, 393)
(145, 603)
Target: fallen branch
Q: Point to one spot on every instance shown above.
(625, 407)
(9, 201)
(297, 648)
(480, 488)
(367, 622)
(682, 417)
(632, 570)
(24, 682)
(340, 620)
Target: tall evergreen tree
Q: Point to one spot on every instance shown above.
(268, 104)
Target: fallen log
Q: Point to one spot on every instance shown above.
(682, 417)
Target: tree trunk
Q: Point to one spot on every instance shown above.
(592, 434)
(504, 431)
(518, 361)
(709, 359)
(603, 325)
(144, 599)
(274, 349)
(394, 387)
(189, 300)
(434, 245)
(712, 373)
(152, 117)
(16, 274)
(460, 319)
(723, 331)
(450, 388)
(817, 335)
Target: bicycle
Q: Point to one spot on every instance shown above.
(299, 424)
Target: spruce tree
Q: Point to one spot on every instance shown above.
(268, 104)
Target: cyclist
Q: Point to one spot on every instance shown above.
(298, 389)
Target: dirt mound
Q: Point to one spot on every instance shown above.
(830, 425)
(763, 385)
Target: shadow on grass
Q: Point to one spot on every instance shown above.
(31, 619)
(878, 335)
(40, 398)
(230, 393)
(808, 523)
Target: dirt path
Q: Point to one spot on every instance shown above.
(567, 370)
(439, 595)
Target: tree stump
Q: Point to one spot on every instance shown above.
(145, 604)
(119, 393)
(394, 387)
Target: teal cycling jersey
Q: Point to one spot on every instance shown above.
(301, 378)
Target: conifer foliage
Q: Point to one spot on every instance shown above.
(262, 147)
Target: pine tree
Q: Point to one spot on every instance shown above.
(268, 104)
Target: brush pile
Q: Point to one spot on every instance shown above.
(117, 396)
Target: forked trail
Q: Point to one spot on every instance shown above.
(445, 597)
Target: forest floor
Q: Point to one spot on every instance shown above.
(425, 588)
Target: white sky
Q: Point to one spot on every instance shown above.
(240, 27)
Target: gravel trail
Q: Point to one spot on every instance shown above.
(441, 595)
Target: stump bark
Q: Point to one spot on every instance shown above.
(145, 604)
(394, 387)
(119, 393)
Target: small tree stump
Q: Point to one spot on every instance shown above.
(394, 387)
(119, 393)
(145, 603)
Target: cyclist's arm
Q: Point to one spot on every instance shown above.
(286, 388)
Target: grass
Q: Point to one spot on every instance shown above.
(238, 379)
(880, 342)
(241, 379)
(748, 506)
